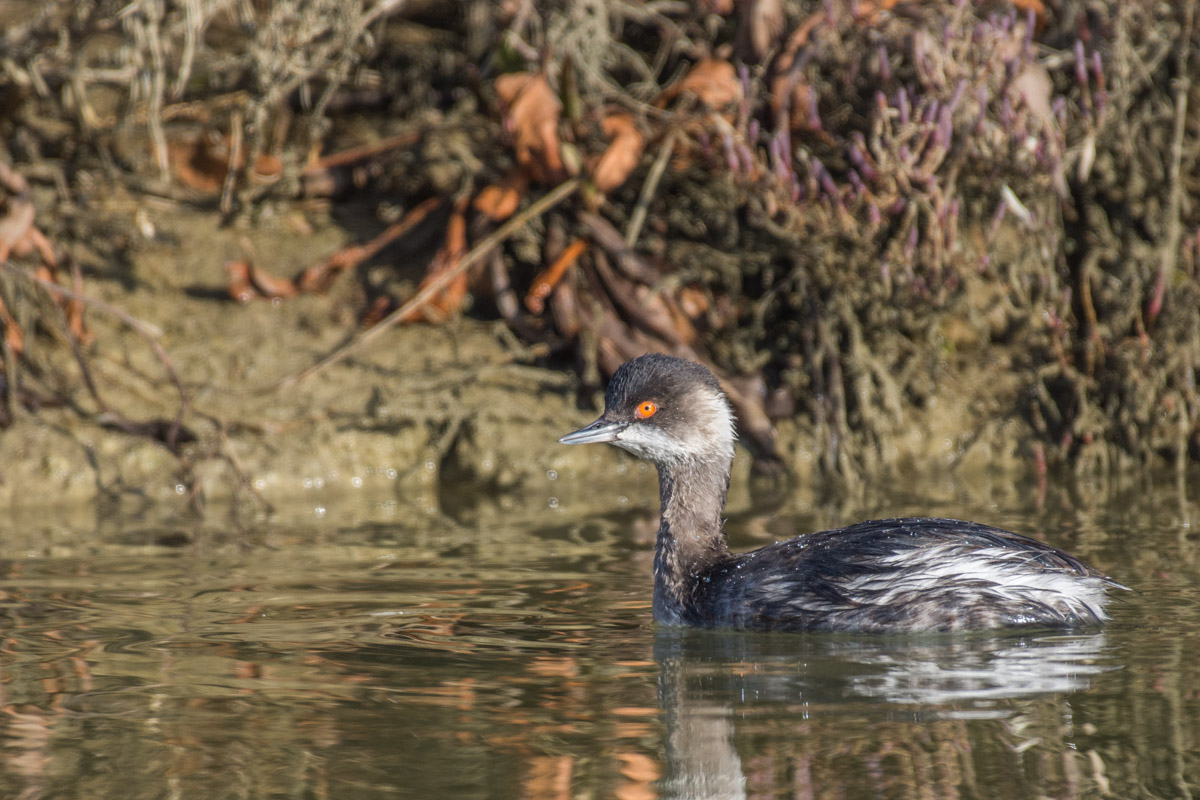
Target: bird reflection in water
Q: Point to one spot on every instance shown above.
(895, 716)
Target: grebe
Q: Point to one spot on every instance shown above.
(885, 576)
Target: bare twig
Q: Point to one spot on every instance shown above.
(320, 276)
(1169, 249)
(235, 162)
(638, 218)
(145, 19)
(321, 56)
(235, 463)
(319, 179)
(147, 331)
(191, 33)
(536, 209)
(346, 157)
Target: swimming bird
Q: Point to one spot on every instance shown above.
(882, 576)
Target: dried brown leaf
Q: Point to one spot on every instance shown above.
(244, 282)
(545, 282)
(15, 228)
(237, 281)
(564, 307)
(1034, 87)
(790, 93)
(532, 114)
(199, 163)
(712, 81)
(500, 201)
(1036, 6)
(272, 286)
(203, 161)
(448, 301)
(639, 767)
(867, 12)
(624, 151)
(266, 170)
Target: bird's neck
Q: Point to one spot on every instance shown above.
(690, 535)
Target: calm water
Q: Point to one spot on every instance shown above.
(507, 652)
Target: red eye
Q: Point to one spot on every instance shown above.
(645, 410)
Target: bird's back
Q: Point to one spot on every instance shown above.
(902, 575)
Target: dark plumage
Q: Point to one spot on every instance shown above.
(884, 576)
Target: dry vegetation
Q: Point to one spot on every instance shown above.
(828, 202)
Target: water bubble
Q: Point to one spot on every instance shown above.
(553, 502)
(390, 472)
(320, 511)
(356, 482)
(180, 488)
(552, 474)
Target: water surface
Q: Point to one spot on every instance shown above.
(509, 653)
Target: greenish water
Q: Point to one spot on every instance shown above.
(507, 652)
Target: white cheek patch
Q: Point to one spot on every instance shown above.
(707, 436)
(646, 441)
(714, 422)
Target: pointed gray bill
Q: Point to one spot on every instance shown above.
(599, 431)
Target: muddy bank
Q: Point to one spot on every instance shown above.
(911, 243)
(457, 400)
(403, 421)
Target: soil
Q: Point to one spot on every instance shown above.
(429, 408)
(1009, 301)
